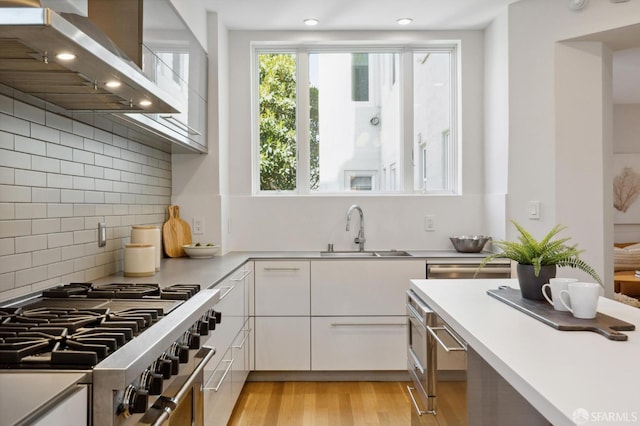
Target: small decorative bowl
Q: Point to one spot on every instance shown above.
(200, 252)
(469, 243)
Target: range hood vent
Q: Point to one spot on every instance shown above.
(30, 39)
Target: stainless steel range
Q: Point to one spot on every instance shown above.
(140, 344)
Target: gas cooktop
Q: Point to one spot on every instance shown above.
(78, 325)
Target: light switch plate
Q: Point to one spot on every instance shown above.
(533, 208)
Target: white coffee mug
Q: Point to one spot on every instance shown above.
(556, 285)
(583, 297)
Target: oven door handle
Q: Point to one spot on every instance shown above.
(166, 404)
(433, 331)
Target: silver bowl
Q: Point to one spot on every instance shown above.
(469, 243)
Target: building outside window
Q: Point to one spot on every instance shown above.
(333, 120)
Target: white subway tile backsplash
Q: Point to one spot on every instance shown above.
(83, 129)
(85, 157)
(71, 196)
(6, 140)
(45, 164)
(44, 133)
(30, 146)
(7, 211)
(15, 262)
(58, 179)
(59, 122)
(15, 228)
(31, 275)
(31, 243)
(80, 182)
(72, 224)
(45, 257)
(30, 211)
(84, 210)
(72, 252)
(7, 246)
(30, 178)
(7, 175)
(15, 194)
(18, 160)
(58, 151)
(95, 197)
(60, 239)
(45, 226)
(28, 112)
(7, 281)
(59, 210)
(45, 195)
(94, 171)
(103, 161)
(60, 268)
(71, 140)
(14, 125)
(71, 168)
(93, 146)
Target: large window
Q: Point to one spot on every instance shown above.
(336, 120)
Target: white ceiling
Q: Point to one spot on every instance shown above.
(356, 14)
(426, 15)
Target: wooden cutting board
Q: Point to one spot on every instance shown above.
(605, 325)
(175, 233)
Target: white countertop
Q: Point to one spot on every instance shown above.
(23, 394)
(558, 372)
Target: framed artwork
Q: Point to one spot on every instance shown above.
(626, 188)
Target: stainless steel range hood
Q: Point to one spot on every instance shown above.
(30, 39)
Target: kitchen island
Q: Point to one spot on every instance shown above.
(569, 377)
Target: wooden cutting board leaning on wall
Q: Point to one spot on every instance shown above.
(175, 233)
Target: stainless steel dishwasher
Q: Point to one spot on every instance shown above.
(451, 268)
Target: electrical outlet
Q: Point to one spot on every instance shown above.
(198, 226)
(430, 223)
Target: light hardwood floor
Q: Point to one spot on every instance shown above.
(337, 404)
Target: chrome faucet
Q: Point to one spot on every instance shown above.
(360, 239)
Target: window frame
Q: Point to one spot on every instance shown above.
(406, 168)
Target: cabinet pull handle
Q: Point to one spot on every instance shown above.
(281, 269)
(433, 331)
(246, 335)
(246, 274)
(415, 403)
(224, 375)
(190, 130)
(366, 324)
(226, 292)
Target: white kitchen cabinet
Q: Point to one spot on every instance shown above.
(358, 313)
(362, 287)
(240, 355)
(218, 397)
(358, 343)
(282, 343)
(282, 288)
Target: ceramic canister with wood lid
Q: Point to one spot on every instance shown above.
(148, 234)
(139, 260)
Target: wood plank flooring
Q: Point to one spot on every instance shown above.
(336, 404)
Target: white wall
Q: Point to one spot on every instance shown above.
(538, 147)
(195, 16)
(297, 222)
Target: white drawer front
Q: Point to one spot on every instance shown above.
(282, 288)
(359, 343)
(282, 343)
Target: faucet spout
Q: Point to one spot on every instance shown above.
(360, 239)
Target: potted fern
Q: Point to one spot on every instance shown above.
(538, 260)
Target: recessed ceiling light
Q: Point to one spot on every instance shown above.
(311, 22)
(404, 21)
(145, 102)
(65, 56)
(113, 84)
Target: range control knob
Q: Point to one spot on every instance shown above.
(181, 351)
(133, 401)
(202, 326)
(152, 382)
(174, 362)
(162, 366)
(192, 339)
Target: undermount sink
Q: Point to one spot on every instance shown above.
(382, 253)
